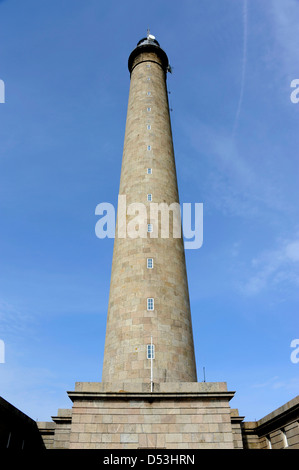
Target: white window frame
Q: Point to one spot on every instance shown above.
(150, 228)
(149, 197)
(284, 438)
(269, 444)
(150, 304)
(149, 148)
(150, 263)
(149, 127)
(150, 351)
(149, 110)
(149, 171)
(149, 93)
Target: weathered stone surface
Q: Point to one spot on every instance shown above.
(129, 324)
(126, 410)
(196, 416)
(277, 430)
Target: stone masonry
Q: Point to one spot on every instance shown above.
(176, 416)
(277, 430)
(129, 410)
(145, 402)
(130, 325)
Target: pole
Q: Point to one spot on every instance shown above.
(151, 364)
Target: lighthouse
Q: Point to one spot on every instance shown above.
(149, 330)
(149, 396)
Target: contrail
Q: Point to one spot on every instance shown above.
(244, 61)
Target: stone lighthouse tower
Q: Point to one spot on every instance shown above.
(149, 312)
(149, 396)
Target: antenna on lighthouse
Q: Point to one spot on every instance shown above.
(150, 36)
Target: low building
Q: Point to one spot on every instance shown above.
(17, 430)
(277, 430)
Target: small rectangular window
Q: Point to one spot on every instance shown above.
(148, 93)
(150, 304)
(148, 79)
(149, 171)
(268, 440)
(151, 351)
(149, 197)
(8, 440)
(149, 227)
(149, 127)
(148, 109)
(284, 438)
(149, 147)
(148, 66)
(150, 263)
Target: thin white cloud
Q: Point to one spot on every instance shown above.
(234, 181)
(267, 383)
(13, 322)
(285, 16)
(292, 250)
(273, 268)
(33, 390)
(244, 63)
(274, 383)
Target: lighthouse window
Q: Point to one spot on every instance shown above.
(149, 227)
(148, 66)
(149, 171)
(151, 351)
(150, 304)
(149, 197)
(148, 93)
(148, 147)
(148, 109)
(150, 263)
(149, 127)
(148, 79)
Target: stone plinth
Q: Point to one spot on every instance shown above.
(63, 422)
(129, 416)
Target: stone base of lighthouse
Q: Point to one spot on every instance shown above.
(130, 416)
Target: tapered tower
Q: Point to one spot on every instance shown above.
(149, 396)
(149, 300)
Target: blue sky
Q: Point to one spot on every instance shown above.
(235, 129)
